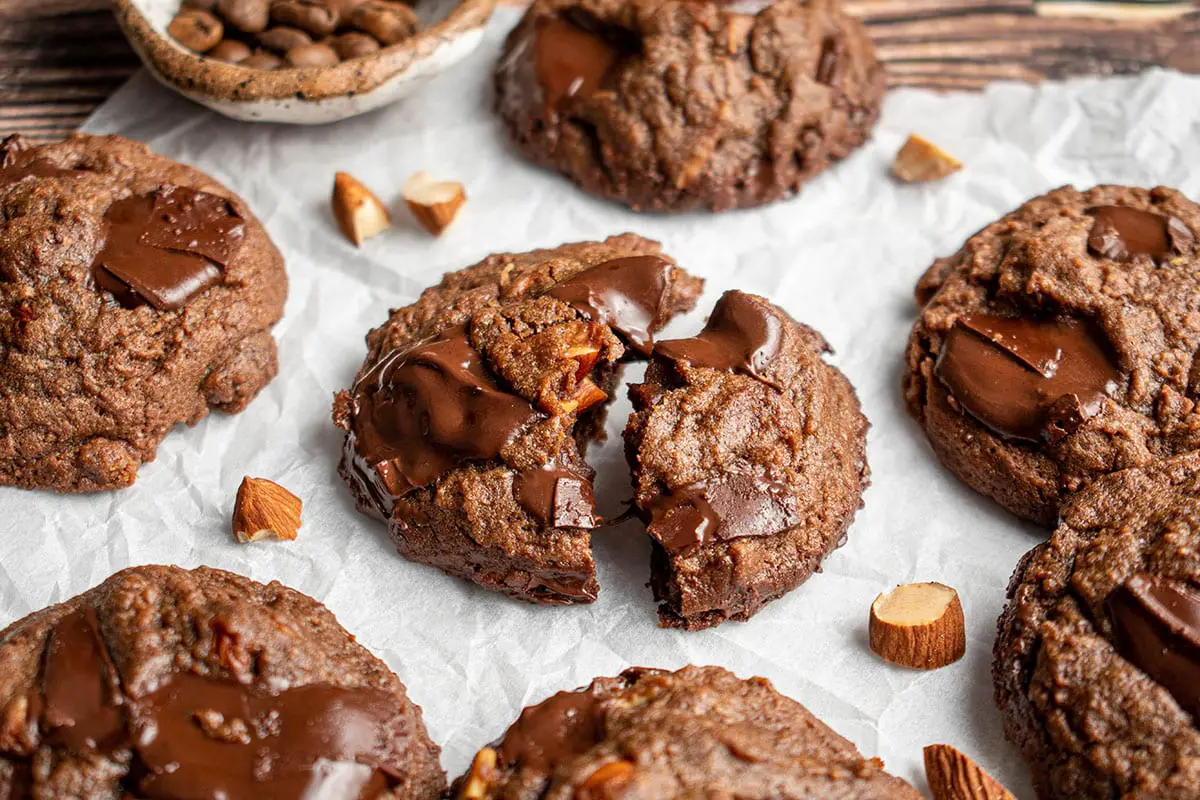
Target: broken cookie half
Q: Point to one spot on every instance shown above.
(467, 425)
(748, 454)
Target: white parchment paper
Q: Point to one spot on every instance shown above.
(842, 257)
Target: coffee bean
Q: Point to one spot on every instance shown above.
(230, 50)
(250, 16)
(263, 60)
(282, 38)
(312, 55)
(355, 45)
(312, 16)
(388, 22)
(196, 30)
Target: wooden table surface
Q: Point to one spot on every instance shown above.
(59, 59)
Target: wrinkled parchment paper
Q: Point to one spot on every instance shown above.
(842, 257)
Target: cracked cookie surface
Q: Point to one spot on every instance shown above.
(135, 294)
(170, 683)
(1059, 345)
(1097, 658)
(672, 105)
(468, 422)
(652, 734)
(748, 455)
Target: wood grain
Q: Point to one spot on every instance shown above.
(59, 59)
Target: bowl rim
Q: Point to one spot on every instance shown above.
(194, 73)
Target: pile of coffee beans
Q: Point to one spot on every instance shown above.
(278, 34)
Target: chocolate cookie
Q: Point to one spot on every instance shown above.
(649, 734)
(1097, 661)
(467, 424)
(672, 105)
(135, 294)
(1060, 345)
(748, 454)
(168, 683)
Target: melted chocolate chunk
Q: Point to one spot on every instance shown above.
(556, 497)
(740, 336)
(15, 163)
(575, 55)
(1012, 374)
(1121, 233)
(1156, 625)
(81, 698)
(730, 507)
(423, 410)
(199, 737)
(552, 732)
(625, 294)
(166, 247)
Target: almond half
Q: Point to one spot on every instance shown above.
(265, 509)
(920, 160)
(435, 204)
(954, 776)
(359, 213)
(919, 625)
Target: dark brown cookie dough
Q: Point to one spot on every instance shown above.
(135, 294)
(649, 734)
(467, 424)
(172, 684)
(748, 454)
(673, 105)
(1097, 658)
(1060, 345)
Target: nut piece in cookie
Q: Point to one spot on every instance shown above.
(673, 105)
(148, 300)
(697, 732)
(748, 454)
(467, 425)
(1058, 345)
(1100, 641)
(170, 683)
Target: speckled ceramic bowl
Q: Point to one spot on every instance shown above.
(309, 96)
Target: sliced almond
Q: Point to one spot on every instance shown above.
(919, 625)
(435, 204)
(359, 213)
(920, 160)
(265, 509)
(954, 776)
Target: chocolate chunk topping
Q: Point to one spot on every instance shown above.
(740, 336)
(166, 247)
(556, 497)
(80, 692)
(1121, 233)
(422, 410)
(724, 508)
(575, 54)
(552, 732)
(198, 737)
(16, 164)
(1156, 625)
(205, 737)
(625, 293)
(1011, 374)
